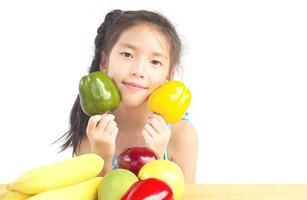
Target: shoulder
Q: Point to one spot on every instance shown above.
(183, 135)
(183, 131)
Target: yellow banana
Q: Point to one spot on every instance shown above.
(13, 195)
(86, 190)
(3, 190)
(59, 174)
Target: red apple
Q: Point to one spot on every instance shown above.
(151, 188)
(134, 158)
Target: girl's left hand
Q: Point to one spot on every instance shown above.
(157, 134)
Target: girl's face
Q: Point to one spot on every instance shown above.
(138, 63)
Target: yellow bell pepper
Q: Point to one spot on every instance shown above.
(170, 100)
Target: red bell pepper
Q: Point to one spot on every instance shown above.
(149, 189)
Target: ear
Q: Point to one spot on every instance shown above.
(102, 68)
(103, 63)
(170, 76)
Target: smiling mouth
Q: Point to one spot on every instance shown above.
(134, 86)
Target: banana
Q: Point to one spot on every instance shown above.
(13, 195)
(58, 174)
(86, 190)
(3, 190)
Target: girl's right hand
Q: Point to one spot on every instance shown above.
(101, 132)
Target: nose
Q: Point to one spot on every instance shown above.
(138, 68)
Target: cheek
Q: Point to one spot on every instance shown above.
(159, 76)
(111, 73)
(112, 66)
(114, 69)
(115, 76)
(157, 80)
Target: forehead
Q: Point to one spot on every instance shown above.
(144, 37)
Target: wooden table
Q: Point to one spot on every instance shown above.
(246, 192)
(240, 192)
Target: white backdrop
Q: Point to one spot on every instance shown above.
(245, 62)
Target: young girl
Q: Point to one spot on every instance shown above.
(140, 51)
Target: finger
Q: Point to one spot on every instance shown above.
(162, 122)
(149, 129)
(114, 132)
(109, 127)
(101, 117)
(104, 121)
(147, 136)
(92, 123)
(156, 115)
(156, 125)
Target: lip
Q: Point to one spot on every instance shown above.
(134, 85)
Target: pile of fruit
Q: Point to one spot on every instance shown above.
(74, 178)
(141, 175)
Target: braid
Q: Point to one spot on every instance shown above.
(78, 119)
(102, 31)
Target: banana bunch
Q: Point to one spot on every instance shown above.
(13, 195)
(74, 178)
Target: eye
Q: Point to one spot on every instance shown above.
(156, 62)
(126, 54)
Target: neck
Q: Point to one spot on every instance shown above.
(131, 118)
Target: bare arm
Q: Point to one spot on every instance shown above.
(184, 149)
(84, 148)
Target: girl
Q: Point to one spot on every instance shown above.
(140, 51)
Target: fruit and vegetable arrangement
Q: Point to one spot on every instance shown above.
(78, 178)
(141, 174)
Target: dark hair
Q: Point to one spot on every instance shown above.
(114, 24)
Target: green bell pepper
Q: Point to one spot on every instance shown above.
(98, 93)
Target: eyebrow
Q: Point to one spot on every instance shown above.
(133, 47)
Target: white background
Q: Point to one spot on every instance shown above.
(245, 62)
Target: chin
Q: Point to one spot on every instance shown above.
(133, 101)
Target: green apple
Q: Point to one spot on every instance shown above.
(167, 171)
(115, 184)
